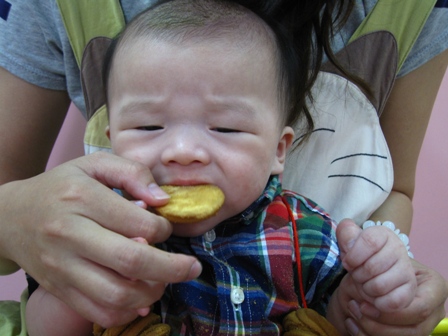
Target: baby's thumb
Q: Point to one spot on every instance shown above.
(347, 232)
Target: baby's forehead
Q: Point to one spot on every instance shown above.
(211, 21)
(257, 43)
(241, 34)
(230, 41)
(228, 29)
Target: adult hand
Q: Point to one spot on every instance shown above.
(71, 232)
(418, 318)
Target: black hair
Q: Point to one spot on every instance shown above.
(310, 26)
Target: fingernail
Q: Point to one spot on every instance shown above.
(140, 204)
(195, 270)
(350, 243)
(351, 327)
(157, 192)
(369, 310)
(143, 311)
(140, 240)
(354, 309)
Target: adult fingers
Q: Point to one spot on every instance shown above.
(117, 172)
(419, 318)
(74, 192)
(94, 312)
(100, 294)
(113, 291)
(366, 326)
(119, 215)
(135, 260)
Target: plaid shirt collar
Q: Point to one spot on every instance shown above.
(272, 190)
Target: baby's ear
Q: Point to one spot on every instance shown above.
(284, 143)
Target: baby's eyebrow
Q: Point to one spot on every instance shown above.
(219, 105)
(241, 106)
(134, 105)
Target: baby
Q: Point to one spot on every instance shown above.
(202, 92)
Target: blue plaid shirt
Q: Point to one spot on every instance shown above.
(249, 281)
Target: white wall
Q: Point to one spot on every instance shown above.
(429, 235)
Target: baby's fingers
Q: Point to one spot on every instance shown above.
(380, 263)
(347, 232)
(396, 300)
(368, 243)
(393, 290)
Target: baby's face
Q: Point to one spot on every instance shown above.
(206, 114)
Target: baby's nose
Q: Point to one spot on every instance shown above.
(185, 147)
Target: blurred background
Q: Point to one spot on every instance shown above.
(429, 237)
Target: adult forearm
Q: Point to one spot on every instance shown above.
(398, 209)
(404, 122)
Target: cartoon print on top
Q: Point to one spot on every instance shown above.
(346, 159)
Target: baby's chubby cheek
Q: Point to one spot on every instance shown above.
(243, 194)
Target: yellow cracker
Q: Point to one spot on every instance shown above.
(113, 331)
(191, 204)
(140, 324)
(157, 330)
(149, 325)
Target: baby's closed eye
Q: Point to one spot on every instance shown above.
(150, 128)
(225, 130)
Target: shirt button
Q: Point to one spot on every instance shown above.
(210, 236)
(237, 295)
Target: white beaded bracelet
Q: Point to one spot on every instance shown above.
(403, 237)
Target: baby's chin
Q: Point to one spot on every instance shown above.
(195, 229)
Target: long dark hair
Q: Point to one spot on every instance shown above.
(310, 25)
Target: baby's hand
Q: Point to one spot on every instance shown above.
(378, 261)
